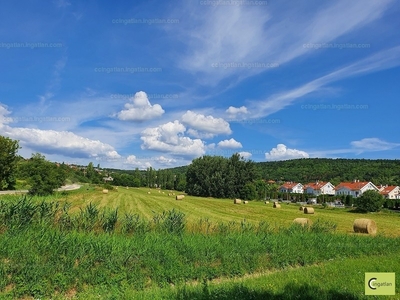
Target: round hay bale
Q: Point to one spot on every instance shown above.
(148, 193)
(302, 221)
(180, 197)
(365, 226)
(275, 202)
(173, 194)
(237, 201)
(266, 202)
(308, 210)
(301, 208)
(245, 202)
(277, 205)
(105, 191)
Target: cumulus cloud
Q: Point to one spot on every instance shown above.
(281, 152)
(61, 142)
(205, 124)
(229, 144)
(373, 144)
(245, 155)
(235, 111)
(200, 135)
(140, 109)
(138, 163)
(170, 138)
(165, 161)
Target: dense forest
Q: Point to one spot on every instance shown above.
(333, 170)
(378, 171)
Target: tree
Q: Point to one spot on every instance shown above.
(8, 162)
(370, 201)
(43, 176)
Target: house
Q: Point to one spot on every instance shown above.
(319, 188)
(390, 191)
(109, 178)
(291, 187)
(355, 188)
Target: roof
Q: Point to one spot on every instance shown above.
(354, 186)
(315, 185)
(289, 185)
(387, 189)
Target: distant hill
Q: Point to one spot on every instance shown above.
(379, 171)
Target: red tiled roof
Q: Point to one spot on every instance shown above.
(289, 185)
(315, 185)
(388, 189)
(354, 186)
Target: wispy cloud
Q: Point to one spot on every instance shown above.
(221, 40)
(382, 60)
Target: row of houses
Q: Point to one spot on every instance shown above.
(355, 189)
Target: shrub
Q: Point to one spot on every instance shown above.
(369, 201)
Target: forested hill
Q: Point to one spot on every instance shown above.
(381, 171)
(333, 170)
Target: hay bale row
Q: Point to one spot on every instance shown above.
(180, 197)
(277, 205)
(308, 210)
(302, 221)
(105, 191)
(364, 226)
(237, 201)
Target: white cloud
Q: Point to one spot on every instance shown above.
(373, 144)
(200, 135)
(170, 138)
(229, 144)
(236, 34)
(4, 112)
(165, 161)
(140, 109)
(281, 152)
(138, 163)
(234, 111)
(379, 61)
(205, 124)
(61, 142)
(245, 155)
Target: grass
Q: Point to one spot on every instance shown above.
(131, 245)
(137, 201)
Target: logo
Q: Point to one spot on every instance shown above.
(380, 284)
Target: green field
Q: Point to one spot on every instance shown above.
(135, 200)
(214, 250)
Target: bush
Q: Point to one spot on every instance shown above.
(369, 201)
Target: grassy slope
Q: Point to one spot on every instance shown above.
(216, 210)
(339, 279)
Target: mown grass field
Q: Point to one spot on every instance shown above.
(49, 253)
(134, 200)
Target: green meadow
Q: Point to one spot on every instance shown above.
(129, 244)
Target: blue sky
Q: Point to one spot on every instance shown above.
(158, 83)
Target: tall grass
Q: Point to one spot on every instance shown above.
(44, 250)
